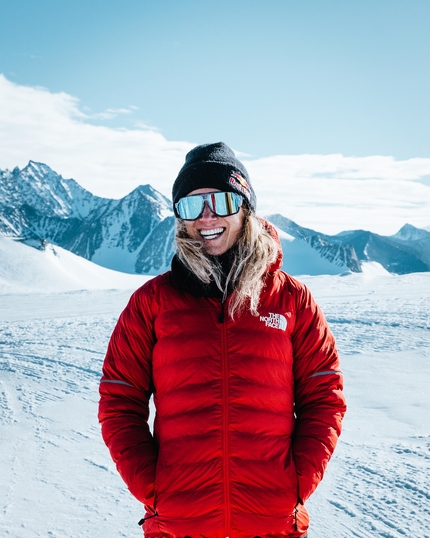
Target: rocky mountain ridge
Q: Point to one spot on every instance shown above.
(124, 234)
(408, 251)
(135, 234)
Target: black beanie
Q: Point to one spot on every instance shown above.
(213, 166)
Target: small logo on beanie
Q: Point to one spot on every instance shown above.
(238, 182)
(276, 321)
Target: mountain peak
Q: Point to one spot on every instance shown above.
(150, 191)
(35, 168)
(408, 232)
(161, 204)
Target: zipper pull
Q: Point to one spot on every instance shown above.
(142, 521)
(221, 316)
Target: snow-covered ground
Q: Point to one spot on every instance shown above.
(24, 269)
(57, 479)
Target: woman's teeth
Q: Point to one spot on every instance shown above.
(211, 234)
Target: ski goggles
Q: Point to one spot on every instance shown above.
(222, 204)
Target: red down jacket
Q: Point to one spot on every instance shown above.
(248, 411)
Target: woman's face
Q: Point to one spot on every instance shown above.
(217, 233)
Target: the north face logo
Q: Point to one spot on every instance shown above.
(277, 321)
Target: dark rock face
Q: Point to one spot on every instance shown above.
(120, 234)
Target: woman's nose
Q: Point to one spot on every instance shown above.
(207, 212)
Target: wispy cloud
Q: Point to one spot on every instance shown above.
(52, 128)
(111, 113)
(327, 192)
(333, 192)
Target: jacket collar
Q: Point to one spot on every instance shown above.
(277, 264)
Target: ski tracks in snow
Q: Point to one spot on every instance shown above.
(378, 483)
(378, 491)
(57, 479)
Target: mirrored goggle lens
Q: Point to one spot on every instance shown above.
(221, 203)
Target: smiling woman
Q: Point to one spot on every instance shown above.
(218, 232)
(220, 222)
(242, 366)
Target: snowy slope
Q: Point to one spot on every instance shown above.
(24, 269)
(299, 258)
(56, 477)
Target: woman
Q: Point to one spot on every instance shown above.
(242, 366)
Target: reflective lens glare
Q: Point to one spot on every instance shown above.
(222, 204)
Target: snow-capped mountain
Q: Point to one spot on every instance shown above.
(43, 190)
(135, 234)
(408, 251)
(340, 256)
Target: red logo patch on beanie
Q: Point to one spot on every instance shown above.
(240, 183)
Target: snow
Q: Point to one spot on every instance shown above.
(300, 258)
(373, 269)
(57, 479)
(378, 482)
(27, 270)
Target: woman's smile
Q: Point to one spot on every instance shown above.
(209, 235)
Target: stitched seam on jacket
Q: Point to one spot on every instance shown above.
(117, 382)
(338, 372)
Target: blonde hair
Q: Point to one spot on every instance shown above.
(255, 251)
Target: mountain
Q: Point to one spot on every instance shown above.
(400, 256)
(340, 257)
(416, 239)
(408, 251)
(135, 234)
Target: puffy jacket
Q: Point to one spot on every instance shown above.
(248, 411)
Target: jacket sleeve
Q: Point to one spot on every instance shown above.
(319, 400)
(125, 389)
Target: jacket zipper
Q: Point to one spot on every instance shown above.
(221, 316)
(225, 422)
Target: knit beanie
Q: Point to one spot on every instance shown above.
(213, 166)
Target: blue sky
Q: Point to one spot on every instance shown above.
(326, 102)
(267, 76)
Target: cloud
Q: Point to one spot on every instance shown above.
(52, 128)
(110, 113)
(332, 193)
(327, 192)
